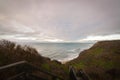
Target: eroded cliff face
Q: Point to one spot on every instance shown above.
(101, 61)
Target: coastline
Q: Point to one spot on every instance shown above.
(63, 52)
(102, 58)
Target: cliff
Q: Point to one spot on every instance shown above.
(101, 61)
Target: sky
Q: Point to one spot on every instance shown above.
(59, 20)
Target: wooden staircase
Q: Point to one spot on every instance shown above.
(25, 70)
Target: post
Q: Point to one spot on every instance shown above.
(72, 73)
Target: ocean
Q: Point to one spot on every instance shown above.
(62, 52)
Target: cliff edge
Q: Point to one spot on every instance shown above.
(101, 61)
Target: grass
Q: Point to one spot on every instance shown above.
(99, 59)
(45, 66)
(80, 65)
(103, 64)
(97, 51)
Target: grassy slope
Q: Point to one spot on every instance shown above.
(101, 62)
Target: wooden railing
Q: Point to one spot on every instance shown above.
(26, 70)
(80, 75)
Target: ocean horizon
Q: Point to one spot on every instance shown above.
(62, 52)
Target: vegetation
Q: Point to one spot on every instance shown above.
(11, 52)
(100, 62)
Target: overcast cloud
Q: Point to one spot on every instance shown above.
(59, 20)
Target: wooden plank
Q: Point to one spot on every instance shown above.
(34, 77)
(16, 76)
(12, 65)
(72, 73)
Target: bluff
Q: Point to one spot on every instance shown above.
(101, 61)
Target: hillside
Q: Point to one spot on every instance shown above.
(11, 52)
(101, 61)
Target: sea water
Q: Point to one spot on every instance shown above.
(60, 51)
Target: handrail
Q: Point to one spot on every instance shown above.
(25, 63)
(12, 65)
(81, 74)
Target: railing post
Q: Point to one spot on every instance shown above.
(72, 73)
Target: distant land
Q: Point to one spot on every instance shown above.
(100, 62)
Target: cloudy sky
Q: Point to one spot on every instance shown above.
(59, 20)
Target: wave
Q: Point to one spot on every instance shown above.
(61, 52)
